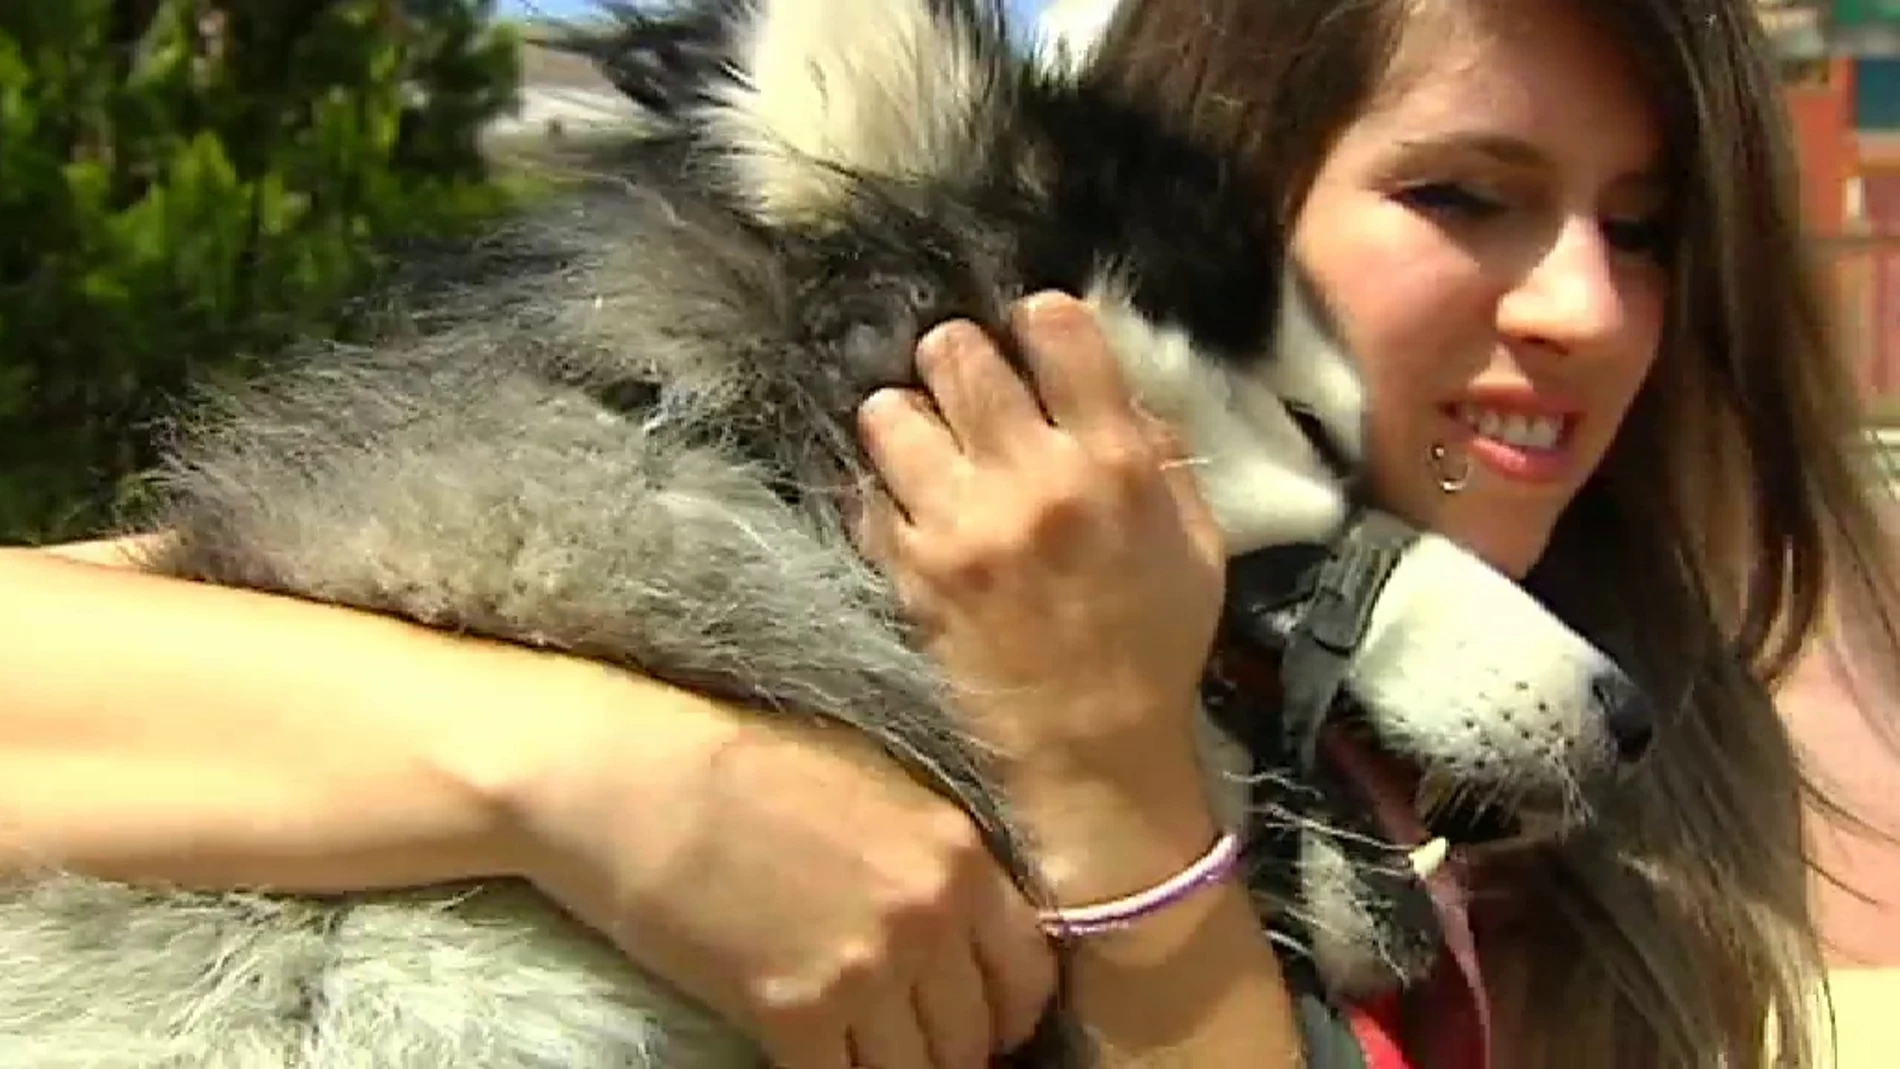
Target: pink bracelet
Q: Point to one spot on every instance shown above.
(1214, 866)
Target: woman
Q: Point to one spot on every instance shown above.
(1561, 237)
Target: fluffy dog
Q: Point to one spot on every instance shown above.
(622, 428)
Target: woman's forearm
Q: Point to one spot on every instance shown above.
(121, 552)
(1196, 984)
(156, 730)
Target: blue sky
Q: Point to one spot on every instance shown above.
(570, 7)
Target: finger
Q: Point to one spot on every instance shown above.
(891, 1036)
(956, 1015)
(1017, 963)
(879, 533)
(810, 1049)
(1075, 371)
(1180, 472)
(986, 404)
(911, 448)
(875, 522)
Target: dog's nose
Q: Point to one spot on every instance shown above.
(1628, 714)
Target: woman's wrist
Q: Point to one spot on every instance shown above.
(495, 757)
(1098, 834)
(533, 769)
(1105, 837)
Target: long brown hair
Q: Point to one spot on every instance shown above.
(1731, 510)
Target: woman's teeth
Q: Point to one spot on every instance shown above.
(1513, 428)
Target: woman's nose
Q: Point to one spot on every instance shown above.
(1571, 299)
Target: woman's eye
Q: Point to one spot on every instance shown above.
(1643, 237)
(1451, 199)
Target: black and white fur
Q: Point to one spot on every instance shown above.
(622, 428)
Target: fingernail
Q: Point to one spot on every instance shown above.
(936, 341)
(1047, 308)
(879, 400)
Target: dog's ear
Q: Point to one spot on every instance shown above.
(795, 97)
(663, 59)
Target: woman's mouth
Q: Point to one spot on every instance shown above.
(1517, 443)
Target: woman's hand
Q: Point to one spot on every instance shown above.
(791, 878)
(1064, 568)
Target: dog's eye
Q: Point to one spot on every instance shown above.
(1316, 433)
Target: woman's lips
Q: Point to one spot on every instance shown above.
(1523, 441)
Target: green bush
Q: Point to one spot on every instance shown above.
(185, 184)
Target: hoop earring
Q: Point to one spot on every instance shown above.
(1450, 480)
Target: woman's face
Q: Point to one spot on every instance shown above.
(1490, 235)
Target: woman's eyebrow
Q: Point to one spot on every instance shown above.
(1514, 151)
(1519, 153)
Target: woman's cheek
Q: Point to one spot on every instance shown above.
(1398, 456)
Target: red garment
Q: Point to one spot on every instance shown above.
(1452, 1024)
(1377, 1027)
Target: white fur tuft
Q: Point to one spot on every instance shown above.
(831, 87)
(1351, 940)
(1311, 366)
(1262, 478)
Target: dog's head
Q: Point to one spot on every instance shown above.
(958, 175)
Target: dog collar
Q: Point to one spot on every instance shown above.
(1311, 604)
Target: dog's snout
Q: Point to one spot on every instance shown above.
(1628, 714)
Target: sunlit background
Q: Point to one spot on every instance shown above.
(564, 8)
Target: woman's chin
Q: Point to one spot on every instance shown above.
(1513, 549)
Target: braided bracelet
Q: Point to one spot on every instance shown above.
(1212, 867)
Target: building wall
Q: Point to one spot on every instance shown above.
(1880, 197)
(1821, 110)
(1850, 169)
(1877, 93)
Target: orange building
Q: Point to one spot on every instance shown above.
(1851, 189)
